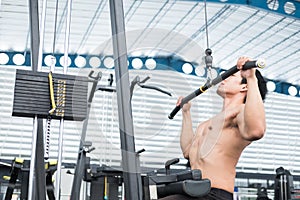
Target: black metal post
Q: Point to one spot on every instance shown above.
(34, 33)
(40, 177)
(130, 162)
(39, 168)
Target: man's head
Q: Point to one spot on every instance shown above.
(237, 85)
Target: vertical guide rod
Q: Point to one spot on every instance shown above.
(42, 29)
(61, 125)
(130, 162)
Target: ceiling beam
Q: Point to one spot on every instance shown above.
(289, 8)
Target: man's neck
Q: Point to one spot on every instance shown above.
(232, 102)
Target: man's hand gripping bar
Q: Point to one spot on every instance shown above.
(260, 63)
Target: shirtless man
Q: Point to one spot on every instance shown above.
(217, 144)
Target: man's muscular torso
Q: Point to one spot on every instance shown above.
(216, 148)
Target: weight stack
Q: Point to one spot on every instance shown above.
(32, 95)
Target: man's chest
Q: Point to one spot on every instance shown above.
(216, 135)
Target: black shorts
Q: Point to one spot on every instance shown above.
(214, 194)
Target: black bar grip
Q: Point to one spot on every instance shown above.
(260, 63)
(174, 112)
(185, 100)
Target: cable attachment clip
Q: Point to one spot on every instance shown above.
(208, 63)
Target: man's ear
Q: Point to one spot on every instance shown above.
(244, 88)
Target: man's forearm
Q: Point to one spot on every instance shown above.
(254, 113)
(187, 132)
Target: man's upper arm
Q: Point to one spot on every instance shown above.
(246, 133)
